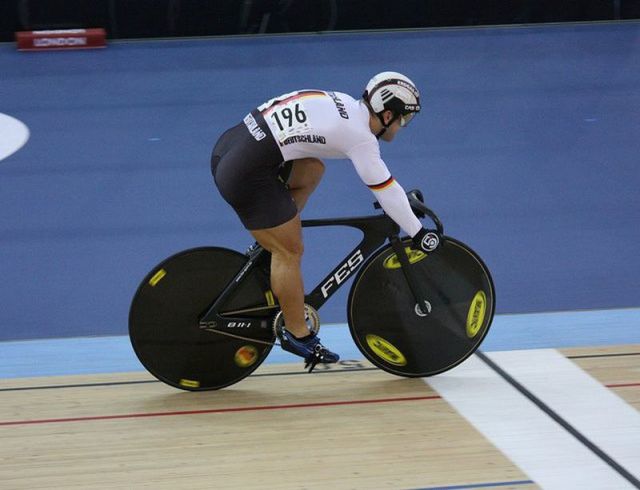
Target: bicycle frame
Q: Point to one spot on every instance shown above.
(376, 231)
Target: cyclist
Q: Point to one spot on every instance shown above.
(267, 167)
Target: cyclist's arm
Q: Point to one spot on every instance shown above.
(389, 193)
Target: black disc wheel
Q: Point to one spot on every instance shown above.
(396, 335)
(164, 320)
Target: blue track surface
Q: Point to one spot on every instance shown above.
(528, 149)
(56, 357)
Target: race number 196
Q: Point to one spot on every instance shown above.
(289, 115)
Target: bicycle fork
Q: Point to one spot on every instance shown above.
(423, 306)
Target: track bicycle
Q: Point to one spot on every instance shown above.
(205, 318)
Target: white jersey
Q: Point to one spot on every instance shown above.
(334, 125)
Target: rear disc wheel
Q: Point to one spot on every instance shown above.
(165, 312)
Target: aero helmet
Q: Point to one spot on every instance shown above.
(392, 91)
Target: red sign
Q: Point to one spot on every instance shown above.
(61, 39)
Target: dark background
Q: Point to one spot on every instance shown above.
(168, 18)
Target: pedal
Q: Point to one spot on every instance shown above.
(310, 364)
(318, 357)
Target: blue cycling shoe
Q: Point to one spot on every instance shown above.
(308, 347)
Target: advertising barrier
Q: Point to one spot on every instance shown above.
(61, 39)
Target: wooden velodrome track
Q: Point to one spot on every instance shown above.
(350, 426)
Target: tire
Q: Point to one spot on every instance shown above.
(398, 337)
(164, 320)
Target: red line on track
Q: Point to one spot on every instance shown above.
(218, 410)
(622, 385)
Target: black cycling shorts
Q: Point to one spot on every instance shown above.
(247, 167)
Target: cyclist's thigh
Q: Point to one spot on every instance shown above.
(285, 238)
(305, 172)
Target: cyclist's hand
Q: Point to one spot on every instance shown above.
(426, 240)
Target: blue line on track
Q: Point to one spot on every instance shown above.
(91, 355)
(481, 485)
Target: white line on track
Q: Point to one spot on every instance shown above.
(542, 448)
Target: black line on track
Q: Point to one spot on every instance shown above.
(618, 468)
(124, 383)
(589, 356)
(148, 381)
(80, 385)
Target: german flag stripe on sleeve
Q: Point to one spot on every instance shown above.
(298, 95)
(382, 185)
